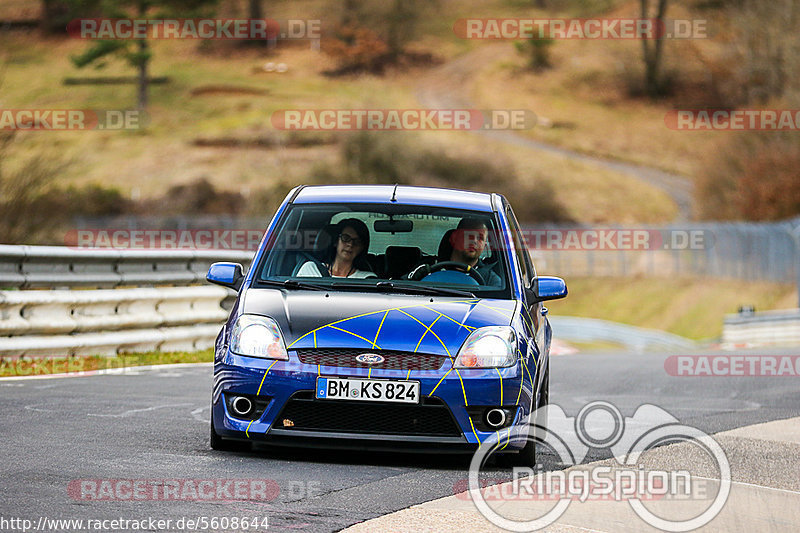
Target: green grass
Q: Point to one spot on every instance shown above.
(690, 308)
(598, 346)
(30, 366)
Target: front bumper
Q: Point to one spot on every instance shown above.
(288, 387)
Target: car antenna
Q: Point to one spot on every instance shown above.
(394, 193)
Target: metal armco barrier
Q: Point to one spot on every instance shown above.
(28, 267)
(109, 320)
(637, 339)
(744, 251)
(765, 327)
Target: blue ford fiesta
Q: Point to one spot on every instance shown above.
(384, 316)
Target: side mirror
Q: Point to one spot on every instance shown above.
(551, 288)
(226, 274)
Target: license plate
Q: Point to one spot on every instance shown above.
(368, 390)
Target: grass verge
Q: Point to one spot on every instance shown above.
(692, 308)
(31, 366)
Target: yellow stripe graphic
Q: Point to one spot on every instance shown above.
(379, 327)
(247, 429)
(449, 318)
(265, 377)
(440, 382)
(357, 335)
(427, 329)
(501, 384)
(471, 301)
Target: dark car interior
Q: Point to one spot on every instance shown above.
(396, 262)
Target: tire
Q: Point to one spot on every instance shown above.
(225, 445)
(545, 396)
(527, 455)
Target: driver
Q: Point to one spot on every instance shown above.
(468, 242)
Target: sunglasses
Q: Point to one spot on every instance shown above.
(347, 239)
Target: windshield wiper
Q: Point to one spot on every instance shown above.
(294, 284)
(388, 286)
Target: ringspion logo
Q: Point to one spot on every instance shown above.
(693, 501)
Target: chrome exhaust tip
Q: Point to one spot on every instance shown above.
(241, 406)
(496, 418)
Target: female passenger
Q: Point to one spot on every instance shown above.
(346, 255)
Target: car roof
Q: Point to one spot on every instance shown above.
(403, 194)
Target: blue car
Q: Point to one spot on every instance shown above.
(384, 316)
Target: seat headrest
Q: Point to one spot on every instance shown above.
(326, 239)
(445, 246)
(401, 259)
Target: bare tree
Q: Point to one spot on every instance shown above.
(653, 49)
(256, 11)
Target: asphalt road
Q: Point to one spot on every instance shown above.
(152, 425)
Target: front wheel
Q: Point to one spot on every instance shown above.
(527, 455)
(225, 445)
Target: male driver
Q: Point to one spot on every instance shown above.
(468, 242)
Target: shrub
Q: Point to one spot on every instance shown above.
(538, 52)
(753, 176)
(392, 158)
(356, 49)
(94, 200)
(200, 196)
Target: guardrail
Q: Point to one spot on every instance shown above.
(110, 319)
(764, 327)
(579, 329)
(27, 267)
(732, 250)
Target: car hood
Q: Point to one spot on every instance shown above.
(377, 321)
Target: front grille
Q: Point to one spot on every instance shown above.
(430, 418)
(393, 360)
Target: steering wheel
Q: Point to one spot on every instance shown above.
(424, 270)
(323, 270)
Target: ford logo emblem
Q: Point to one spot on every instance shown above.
(370, 358)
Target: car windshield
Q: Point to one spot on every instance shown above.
(387, 247)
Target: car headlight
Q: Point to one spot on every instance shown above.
(488, 347)
(258, 336)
